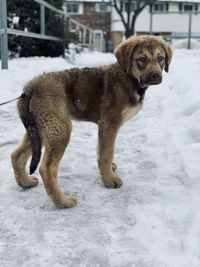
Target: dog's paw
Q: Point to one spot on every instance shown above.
(67, 202)
(114, 167)
(113, 182)
(32, 181)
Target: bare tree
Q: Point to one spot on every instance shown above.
(131, 12)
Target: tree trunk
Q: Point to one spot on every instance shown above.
(128, 33)
(130, 30)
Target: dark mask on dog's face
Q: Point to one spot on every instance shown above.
(148, 64)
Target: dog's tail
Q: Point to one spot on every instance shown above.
(32, 130)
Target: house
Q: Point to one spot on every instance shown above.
(167, 18)
(95, 14)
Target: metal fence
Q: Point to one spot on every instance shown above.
(86, 37)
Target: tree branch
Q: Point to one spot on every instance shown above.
(139, 10)
(120, 13)
(129, 23)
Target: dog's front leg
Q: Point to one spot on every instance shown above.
(107, 135)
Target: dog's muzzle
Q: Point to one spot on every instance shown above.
(152, 78)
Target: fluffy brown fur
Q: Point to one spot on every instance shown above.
(107, 96)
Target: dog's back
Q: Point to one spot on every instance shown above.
(84, 93)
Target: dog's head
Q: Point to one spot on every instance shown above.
(144, 57)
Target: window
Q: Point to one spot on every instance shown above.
(72, 8)
(102, 7)
(130, 6)
(160, 7)
(125, 6)
(188, 7)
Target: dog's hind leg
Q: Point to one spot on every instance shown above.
(57, 136)
(19, 159)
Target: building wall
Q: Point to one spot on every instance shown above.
(95, 20)
(113, 29)
(165, 23)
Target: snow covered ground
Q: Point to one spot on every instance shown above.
(152, 221)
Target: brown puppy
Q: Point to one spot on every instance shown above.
(107, 96)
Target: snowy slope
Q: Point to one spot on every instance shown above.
(152, 221)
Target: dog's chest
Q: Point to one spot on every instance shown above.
(130, 111)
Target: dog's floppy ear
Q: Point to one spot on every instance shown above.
(168, 54)
(124, 53)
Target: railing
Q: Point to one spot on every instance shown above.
(86, 39)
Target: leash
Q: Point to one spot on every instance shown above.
(21, 96)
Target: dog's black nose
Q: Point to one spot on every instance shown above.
(155, 76)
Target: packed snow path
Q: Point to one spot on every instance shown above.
(152, 221)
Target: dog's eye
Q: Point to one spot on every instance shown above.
(142, 59)
(160, 58)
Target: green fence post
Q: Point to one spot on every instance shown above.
(42, 19)
(4, 36)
